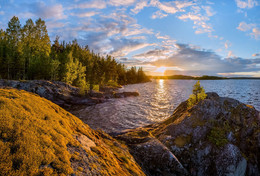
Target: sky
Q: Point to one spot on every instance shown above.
(189, 37)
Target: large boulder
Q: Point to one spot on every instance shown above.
(125, 94)
(154, 157)
(217, 136)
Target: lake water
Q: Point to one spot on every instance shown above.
(158, 99)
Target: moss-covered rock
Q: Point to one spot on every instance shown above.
(37, 137)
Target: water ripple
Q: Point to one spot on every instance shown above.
(158, 99)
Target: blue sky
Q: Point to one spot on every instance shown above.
(193, 37)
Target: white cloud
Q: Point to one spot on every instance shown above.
(199, 22)
(171, 7)
(26, 15)
(138, 38)
(246, 4)
(183, 4)
(193, 17)
(243, 26)
(255, 33)
(158, 14)
(227, 44)
(209, 10)
(167, 7)
(117, 34)
(54, 24)
(198, 61)
(230, 54)
(200, 15)
(256, 54)
(85, 14)
(2, 12)
(159, 36)
(215, 36)
(139, 6)
(153, 55)
(253, 74)
(135, 30)
(42, 10)
(121, 2)
(123, 47)
(94, 4)
(170, 43)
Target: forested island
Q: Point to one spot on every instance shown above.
(204, 77)
(26, 53)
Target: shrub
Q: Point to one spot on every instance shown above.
(112, 83)
(217, 136)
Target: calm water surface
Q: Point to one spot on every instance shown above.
(158, 99)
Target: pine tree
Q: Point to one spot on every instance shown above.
(14, 53)
(198, 94)
(29, 45)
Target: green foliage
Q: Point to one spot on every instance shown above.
(26, 53)
(217, 136)
(136, 76)
(198, 94)
(112, 83)
(75, 72)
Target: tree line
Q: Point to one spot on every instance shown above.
(27, 53)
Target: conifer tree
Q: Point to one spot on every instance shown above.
(198, 94)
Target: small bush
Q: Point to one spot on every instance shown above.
(218, 137)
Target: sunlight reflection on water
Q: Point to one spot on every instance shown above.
(158, 99)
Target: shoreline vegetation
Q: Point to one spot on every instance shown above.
(26, 53)
(204, 77)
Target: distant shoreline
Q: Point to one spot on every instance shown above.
(205, 77)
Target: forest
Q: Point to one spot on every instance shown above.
(27, 53)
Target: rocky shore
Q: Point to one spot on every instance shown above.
(218, 136)
(64, 94)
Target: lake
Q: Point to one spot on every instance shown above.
(157, 101)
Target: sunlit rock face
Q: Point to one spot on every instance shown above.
(37, 137)
(217, 136)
